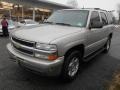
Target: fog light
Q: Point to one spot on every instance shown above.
(41, 56)
(48, 57)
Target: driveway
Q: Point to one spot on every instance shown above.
(95, 76)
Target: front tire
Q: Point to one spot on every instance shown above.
(71, 66)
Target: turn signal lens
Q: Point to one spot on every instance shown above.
(52, 57)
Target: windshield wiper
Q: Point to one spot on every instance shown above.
(64, 24)
(58, 23)
(49, 22)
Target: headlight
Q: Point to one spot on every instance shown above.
(46, 47)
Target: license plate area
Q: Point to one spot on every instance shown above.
(16, 59)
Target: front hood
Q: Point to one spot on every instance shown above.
(45, 33)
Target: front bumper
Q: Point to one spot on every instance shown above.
(50, 68)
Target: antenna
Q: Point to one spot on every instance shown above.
(83, 4)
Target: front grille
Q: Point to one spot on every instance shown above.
(23, 50)
(26, 43)
(17, 42)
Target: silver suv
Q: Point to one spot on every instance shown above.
(65, 40)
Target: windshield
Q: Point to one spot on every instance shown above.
(76, 18)
(10, 23)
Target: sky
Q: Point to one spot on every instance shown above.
(103, 4)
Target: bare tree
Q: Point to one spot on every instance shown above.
(72, 3)
(118, 10)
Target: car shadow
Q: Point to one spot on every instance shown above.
(97, 66)
(1, 36)
(35, 77)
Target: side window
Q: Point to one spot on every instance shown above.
(104, 18)
(94, 17)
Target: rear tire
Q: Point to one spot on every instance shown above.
(71, 66)
(107, 46)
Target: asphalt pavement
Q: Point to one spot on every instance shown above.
(96, 75)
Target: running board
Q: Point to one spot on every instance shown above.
(86, 59)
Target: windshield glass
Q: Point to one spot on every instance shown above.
(76, 18)
(10, 23)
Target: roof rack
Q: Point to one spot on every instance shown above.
(95, 9)
(99, 9)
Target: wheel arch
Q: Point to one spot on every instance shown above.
(80, 48)
(110, 35)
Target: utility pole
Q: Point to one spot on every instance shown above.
(33, 14)
(118, 13)
(22, 12)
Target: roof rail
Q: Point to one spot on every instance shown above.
(95, 9)
(99, 9)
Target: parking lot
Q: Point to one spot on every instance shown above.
(96, 75)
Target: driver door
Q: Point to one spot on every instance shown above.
(94, 34)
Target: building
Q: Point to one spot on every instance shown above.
(29, 9)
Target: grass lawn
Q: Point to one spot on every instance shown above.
(115, 84)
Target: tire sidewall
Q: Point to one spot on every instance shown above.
(107, 49)
(67, 61)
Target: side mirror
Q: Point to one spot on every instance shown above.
(96, 24)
